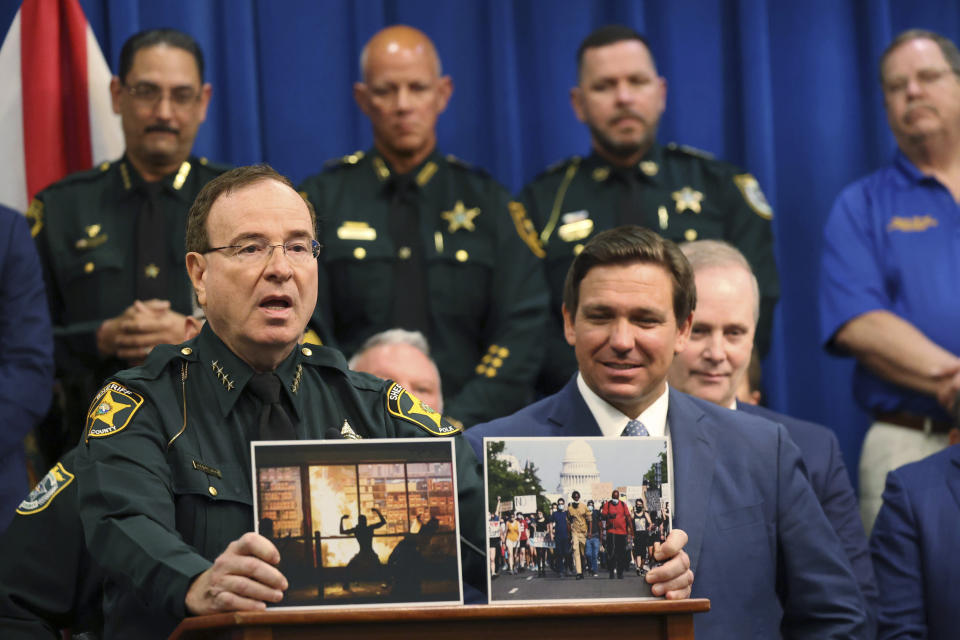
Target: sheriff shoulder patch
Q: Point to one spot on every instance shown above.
(403, 404)
(753, 194)
(111, 410)
(46, 490)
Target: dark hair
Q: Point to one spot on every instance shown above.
(628, 244)
(225, 183)
(575, 495)
(152, 38)
(947, 47)
(606, 35)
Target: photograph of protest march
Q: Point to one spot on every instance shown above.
(361, 522)
(575, 518)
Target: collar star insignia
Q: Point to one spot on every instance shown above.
(295, 385)
(92, 231)
(688, 198)
(151, 270)
(460, 217)
(649, 167)
(223, 377)
(107, 409)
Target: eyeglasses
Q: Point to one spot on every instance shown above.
(924, 78)
(298, 252)
(149, 95)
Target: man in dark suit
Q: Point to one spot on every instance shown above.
(759, 543)
(914, 545)
(715, 362)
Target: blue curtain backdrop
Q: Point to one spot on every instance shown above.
(786, 89)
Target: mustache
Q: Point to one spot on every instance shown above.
(161, 128)
(627, 113)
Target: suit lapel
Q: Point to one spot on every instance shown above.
(572, 414)
(693, 457)
(953, 473)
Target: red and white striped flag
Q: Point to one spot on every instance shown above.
(55, 111)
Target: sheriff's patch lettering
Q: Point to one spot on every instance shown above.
(111, 410)
(46, 490)
(403, 404)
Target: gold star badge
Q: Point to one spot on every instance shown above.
(108, 407)
(152, 270)
(460, 217)
(111, 410)
(688, 198)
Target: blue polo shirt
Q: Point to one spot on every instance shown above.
(892, 243)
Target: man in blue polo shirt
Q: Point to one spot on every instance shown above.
(890, 266)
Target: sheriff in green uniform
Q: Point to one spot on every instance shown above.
(164, 469)
(111, 238)
(422, 241)
(681, 193)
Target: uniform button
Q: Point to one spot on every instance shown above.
(503, 352)
(307, 351)
(461, 255)
(404, 253)
(690, 235)
(359, 253)
(577, 248)
(186, 351)
(88, 268)
(213, 491)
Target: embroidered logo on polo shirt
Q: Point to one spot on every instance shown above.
(46, 490)
(111, 410)
(912, 223)
(403, 404)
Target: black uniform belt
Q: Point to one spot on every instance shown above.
(912, 421)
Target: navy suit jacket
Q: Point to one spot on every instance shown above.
(916, 549)
(26, 355)
(828, 476)
(756, 531)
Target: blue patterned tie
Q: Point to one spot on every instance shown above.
(634, 428)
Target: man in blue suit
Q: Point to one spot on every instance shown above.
(916, 548)
(758, 541)
(714, 364)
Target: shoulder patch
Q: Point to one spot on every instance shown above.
(753, 194)
(690, 151)
(403, 404)
(111, 410)
(46, 490)
(35, 216)
(525, 228)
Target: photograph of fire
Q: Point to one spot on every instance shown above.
(361, 522)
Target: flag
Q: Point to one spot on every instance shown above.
(56, 115)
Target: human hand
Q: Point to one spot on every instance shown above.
(673, 578)
(144, 325)
(948, 386)
(242, 578)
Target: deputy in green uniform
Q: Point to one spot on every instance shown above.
(48, 582)
(164, 469)
(111, 238)
(421, 241)
(679, 192)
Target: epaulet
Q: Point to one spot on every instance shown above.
(216, 167)
(87, 175)
(463, 165)
(690, 151)
(159, 359)
(319, 356)
(348, 160)
(558, 167)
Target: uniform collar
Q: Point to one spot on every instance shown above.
(176, 183)
(228, 374)
(908, 170)
(423, 174)
(650, 167)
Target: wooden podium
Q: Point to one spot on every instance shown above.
(671, 620)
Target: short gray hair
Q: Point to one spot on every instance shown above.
(947, 47)
(705, 254)
(414, 339)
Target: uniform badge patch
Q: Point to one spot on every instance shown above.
(460, 217)
(753, 194)
(403, 404)
(111, 410)
(912, 223)
(46, 490)
(688, 198)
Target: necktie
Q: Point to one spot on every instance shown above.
(629, 211)
(274, 422)
(634, 428)
(151, 246)
(409, 271)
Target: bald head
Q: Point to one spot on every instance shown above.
(399, 41)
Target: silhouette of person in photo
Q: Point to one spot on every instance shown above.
(366, 560)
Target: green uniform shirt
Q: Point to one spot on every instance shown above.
(85, 227)
(684, 195)
(485, 290)
(48, 581)
(165, 475)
